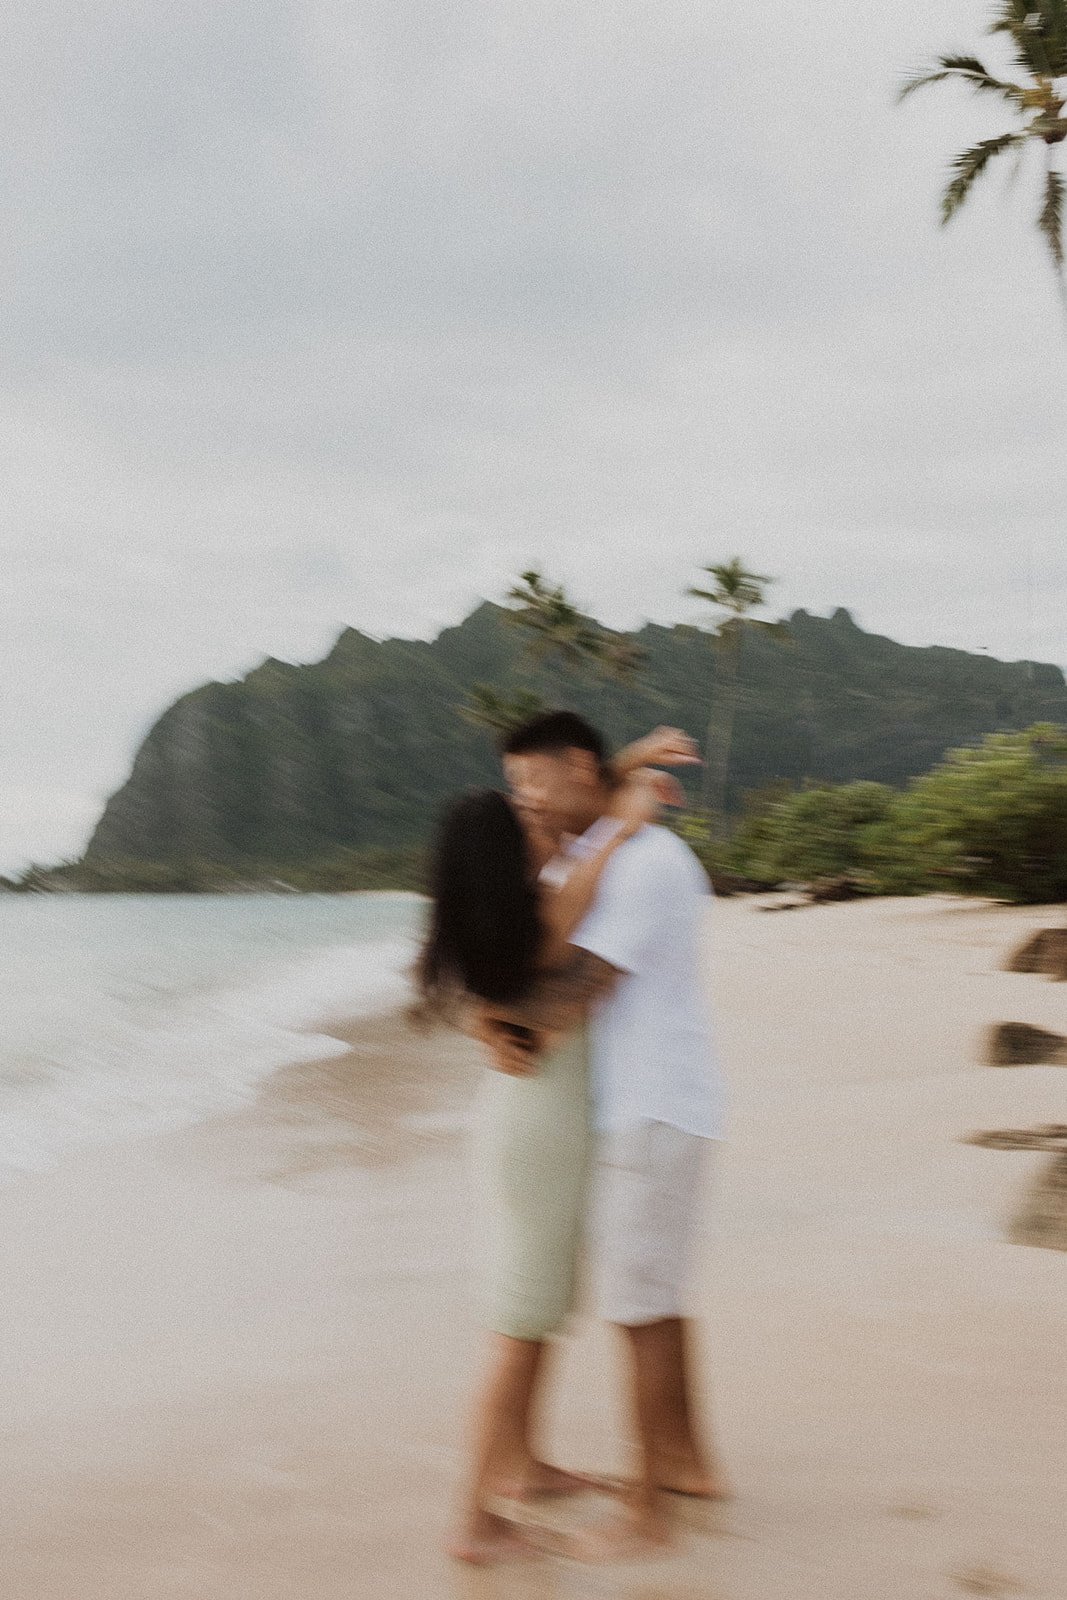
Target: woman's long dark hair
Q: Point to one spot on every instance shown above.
(484, 924)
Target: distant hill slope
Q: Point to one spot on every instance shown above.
(360, 749)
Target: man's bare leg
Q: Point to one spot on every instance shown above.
(651, 1387)
(670, 1455)
(644, 1527)
(683, 1464)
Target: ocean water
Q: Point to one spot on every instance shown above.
(130, 1013)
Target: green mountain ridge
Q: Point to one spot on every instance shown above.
(358, 751)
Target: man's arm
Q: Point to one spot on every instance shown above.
(516, 1035)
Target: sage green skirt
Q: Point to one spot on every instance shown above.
(532, 1144)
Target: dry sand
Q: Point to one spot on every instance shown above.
(235, 1359)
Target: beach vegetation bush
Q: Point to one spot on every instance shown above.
(820, 831)
(991, 820)
(987, 820)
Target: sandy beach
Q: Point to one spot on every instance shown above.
(236, 1358)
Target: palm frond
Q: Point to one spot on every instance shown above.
(968, 166)
(499, 711)
(1038, 31)
(1016, 167)
(1050, 220)
(736, 589)
(618, 657)
(969, 70)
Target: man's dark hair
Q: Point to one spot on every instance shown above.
(552, 731)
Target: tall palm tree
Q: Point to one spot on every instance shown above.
(1037, 30)
(557, 629)
(499, 712)
(556, 633)
(736, 592)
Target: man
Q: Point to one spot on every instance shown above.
(657, 1097)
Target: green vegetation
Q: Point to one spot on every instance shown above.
(341, 870)
(989, 821)
(820, 831)
(1037, 33)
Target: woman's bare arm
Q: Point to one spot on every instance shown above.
(562, 908)
(663, 747)
(636, 802)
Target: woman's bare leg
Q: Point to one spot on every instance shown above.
(500, 1450)
(671, 1456)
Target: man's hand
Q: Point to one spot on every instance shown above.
(507, 1051)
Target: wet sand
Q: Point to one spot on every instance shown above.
(235, 1359)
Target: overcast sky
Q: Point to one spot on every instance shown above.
(342, 313)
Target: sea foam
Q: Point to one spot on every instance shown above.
(103, 1042)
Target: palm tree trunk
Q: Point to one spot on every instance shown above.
(721, 726)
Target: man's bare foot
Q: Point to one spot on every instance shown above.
(490, 1541)
(693, 1479)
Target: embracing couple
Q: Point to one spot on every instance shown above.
(566, 934)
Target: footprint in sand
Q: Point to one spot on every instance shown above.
(985, 1580)
(914, 1511)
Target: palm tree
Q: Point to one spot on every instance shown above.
(1037, 30)
(557, 632)
(737, 592)
(557, 629)
(499, 712)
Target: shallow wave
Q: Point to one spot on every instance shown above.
(137, 1069)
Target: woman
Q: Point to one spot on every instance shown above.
(499, 942)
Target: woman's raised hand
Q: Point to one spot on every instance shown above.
(663, 747)
(638, 800)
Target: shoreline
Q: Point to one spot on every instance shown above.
(237, 1354)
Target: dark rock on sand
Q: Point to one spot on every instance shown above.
(728, 883)
(1017, 1044)
(1045, 951)
(825, 890)
(1049, 1136)
(822, 891)
(1041, 1217)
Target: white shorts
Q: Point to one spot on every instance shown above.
(643, 1212)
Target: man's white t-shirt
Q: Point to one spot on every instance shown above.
(653, 1050)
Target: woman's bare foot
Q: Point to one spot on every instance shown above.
(545, 1479)
(685, 1478)
(636, 1536)
(491, 1540)
(540, 1480)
